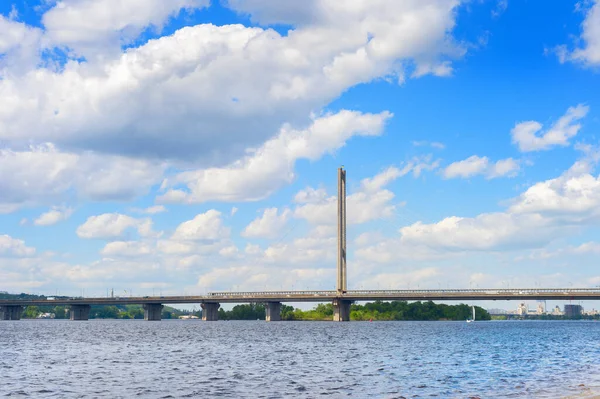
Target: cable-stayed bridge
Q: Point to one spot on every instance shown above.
(341, 298)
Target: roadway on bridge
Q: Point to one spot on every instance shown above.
(327, 296)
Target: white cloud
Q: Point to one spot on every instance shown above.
(214, 90)
(252, 249)
(53, 216)
(198, 98)
(229, 252)
(14, 13)
(488, 231)
(382, 179)
(503, 167)
(546, 211)
(372, 201)
(12, 247)
(316, 250)
(589, 53)
(98, 27)
(572, 198)
(233, 211)
(113, 225)
(310, 195)
(206, 226)
(19, 47)
(269, 167)
(152, 210)
(43, 174)
(475, 165)
(527, 136)
(126, 249)
(269, 225)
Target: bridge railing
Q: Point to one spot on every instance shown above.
(497, 291)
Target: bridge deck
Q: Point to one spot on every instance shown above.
(327, 296)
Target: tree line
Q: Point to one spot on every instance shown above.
(378, 310)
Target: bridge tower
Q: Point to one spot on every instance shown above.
(341, 233)
(341, 307)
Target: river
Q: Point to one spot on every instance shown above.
(256, 359)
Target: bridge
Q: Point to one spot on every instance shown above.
(80, 307)
(341, 298)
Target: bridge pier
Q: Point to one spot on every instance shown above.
(11, 312)
(152, 311)
(341, 310)
(273, 311)
(80, 312)
(210, 311)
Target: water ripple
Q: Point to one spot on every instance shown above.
(178, 359)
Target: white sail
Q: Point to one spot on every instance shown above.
(473, 313)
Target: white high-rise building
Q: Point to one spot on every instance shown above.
(522, 309)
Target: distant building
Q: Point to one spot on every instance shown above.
(522, 309)
(556, 311)
(540, 308)
(572, 311)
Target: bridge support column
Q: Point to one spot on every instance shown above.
(210, 311)
(341, 310)
(152, 311)
(80, 312)
(273, 311)
(11, 312)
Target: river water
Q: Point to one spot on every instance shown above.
(256, 359)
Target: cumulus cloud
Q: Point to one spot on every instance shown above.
(269, 225)
(528, 136)
(126, 249)
(490, 231)
(372, 201)
(113, 225)
(475, 165)
(19, 47)
(588, 53)
(544, 212)
(208, 92)
(573, 198)
(97, 27)
(207, 226)
(12, 247)
(270, 166)
(42, 174)
(152, 210)
(53, 216)
(198, 99)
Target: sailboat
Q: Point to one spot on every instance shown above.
(473, 319)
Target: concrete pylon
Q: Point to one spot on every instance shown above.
(80, 312)
(210, 311)
(273, 311)
(341, 310)
(341, 216)
(152, 311)
(11, 312)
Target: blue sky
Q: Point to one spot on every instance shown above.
(193, 146)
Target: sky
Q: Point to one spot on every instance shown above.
(191, 146)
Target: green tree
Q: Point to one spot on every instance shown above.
(31, 312)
